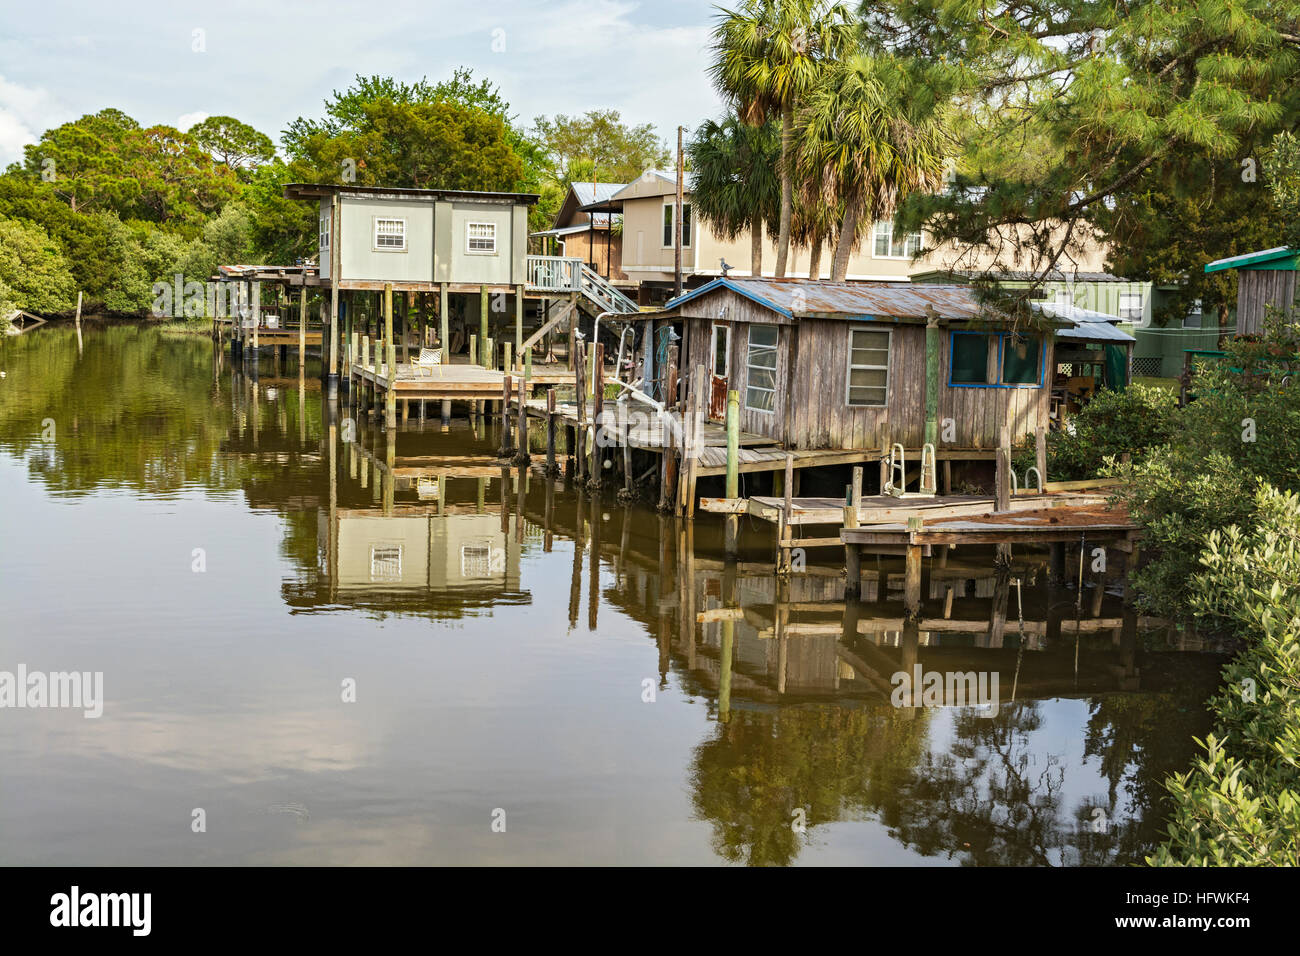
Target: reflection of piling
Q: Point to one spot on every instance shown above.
(575, 579)
(593, 586)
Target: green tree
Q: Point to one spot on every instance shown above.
(1127, 98)
(86, 161)
(768, 56)
(598, 145)
(34, 274)
(872, 136)
(734, 186)
(232, 143)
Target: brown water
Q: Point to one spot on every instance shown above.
(505, 636)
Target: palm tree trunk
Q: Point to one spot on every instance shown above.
(756, 246)
(815, 256)
(848, 233)
(787, 191)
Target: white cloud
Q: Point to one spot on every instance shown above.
(186, 120)
(23, 113)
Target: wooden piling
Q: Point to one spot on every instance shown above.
(1002, 491)
(580, 433)
(506, 447)
(732, 543)
(521, 456)
(912, 574)
(1040, 455)
(551, 470)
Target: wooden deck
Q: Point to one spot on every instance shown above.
(455, 381)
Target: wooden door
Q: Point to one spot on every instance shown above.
(719, 371)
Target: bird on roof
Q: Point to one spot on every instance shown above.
(725, 268)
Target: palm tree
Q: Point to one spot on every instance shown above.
(769, 55)
(733, 180)
(870, 138)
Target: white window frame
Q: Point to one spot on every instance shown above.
(374, 234)
(886, 226)
(470, 237)
(324, 238)
(385, 562)
(849, 367)
(1141, 306)
(688, 223)
(713, 353)
(749, 368)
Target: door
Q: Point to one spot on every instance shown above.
(720, 372)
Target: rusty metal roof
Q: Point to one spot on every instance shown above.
(813, 298)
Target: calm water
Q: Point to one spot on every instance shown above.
(503, 639)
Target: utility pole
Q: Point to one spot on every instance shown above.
(677, 222)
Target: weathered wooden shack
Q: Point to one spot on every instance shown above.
(822, 365)
(1264, 279)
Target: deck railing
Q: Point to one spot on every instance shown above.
(565, 274)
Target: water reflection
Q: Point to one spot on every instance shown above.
(773, 737)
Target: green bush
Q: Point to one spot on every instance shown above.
(1114, 423)
(1242, 431)
(1240, 803)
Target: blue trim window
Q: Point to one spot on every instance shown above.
(1018, 360)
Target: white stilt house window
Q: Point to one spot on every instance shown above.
(390, 235)
(481, 238)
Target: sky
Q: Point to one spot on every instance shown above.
(176, 62)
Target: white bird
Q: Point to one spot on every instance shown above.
(725, 267)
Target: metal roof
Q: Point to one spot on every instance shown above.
(599, 226)
(319, 190)
(816, 298)
(1085, 324)
(1054, 276)
(1253, 258)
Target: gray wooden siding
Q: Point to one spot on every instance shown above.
(1257, 288)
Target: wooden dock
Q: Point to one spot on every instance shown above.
(454, 381)
(1055, 526)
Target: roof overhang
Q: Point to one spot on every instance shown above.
(1281, 258)
(323, 190)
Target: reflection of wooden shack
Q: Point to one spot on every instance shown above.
(425, 552)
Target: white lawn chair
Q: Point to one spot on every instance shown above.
(428, 360)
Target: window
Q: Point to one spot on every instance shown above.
(1019, 360)
(970, 359)
(481, 238)
(868, 367)
(476, 560)
(1130, 306)
(721, 350)
(886, 248)
(386, 562)
(1020, 356)
(760, 368)
(390, 235)
(668, 224)
(1064, 300)
(325, 233)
